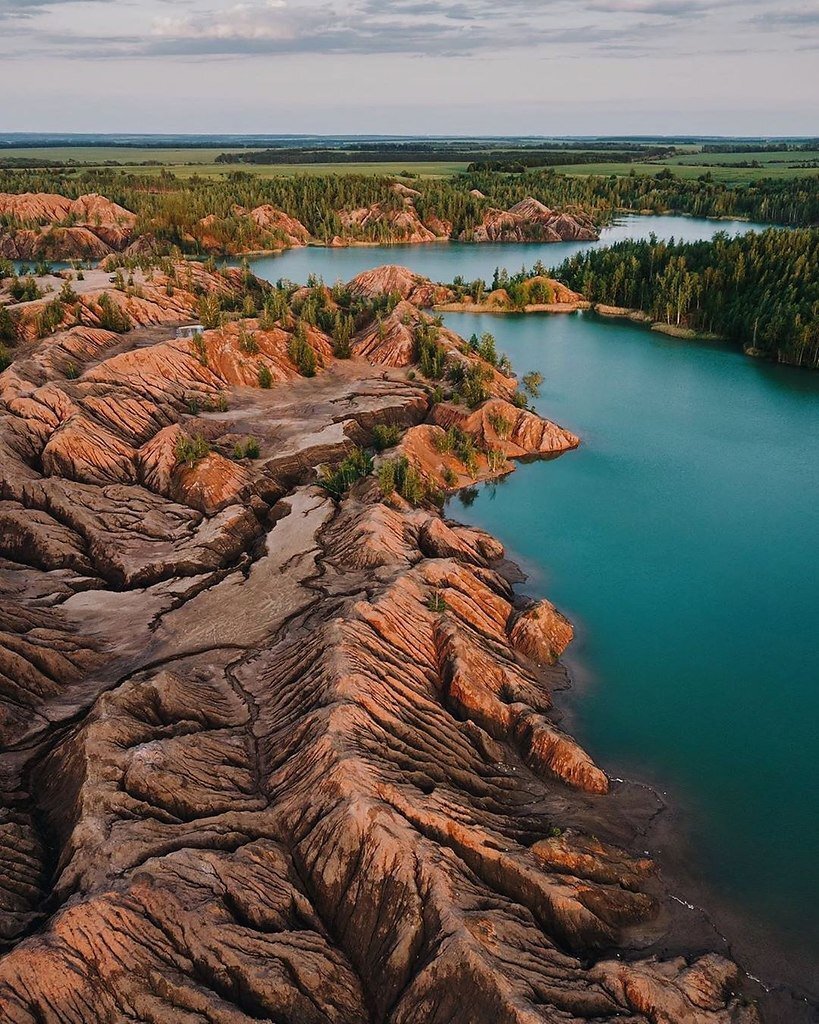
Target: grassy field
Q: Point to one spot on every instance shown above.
(186, 162)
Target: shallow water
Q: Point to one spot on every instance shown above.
(683, 538)
(445, 260)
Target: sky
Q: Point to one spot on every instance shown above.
(539, 67)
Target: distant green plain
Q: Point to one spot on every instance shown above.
(188, 162)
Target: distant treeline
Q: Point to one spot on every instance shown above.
(478, 159)
(760, 291)
(516, 163)
(762, 147)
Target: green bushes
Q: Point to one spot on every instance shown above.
(190, 450)
(301, 353)
(386, 436)
(469, 383)
(532, 383)
(200, 349)
(50, 318)
(111, 317)
(248, 449)
(501, 425)
(356, 465)
(25, 289)
(247, 343)
(397, 475)
(8, 325)
(6, 357)
(430, 354)
(209, 310)
(457, 442)
(265, 376)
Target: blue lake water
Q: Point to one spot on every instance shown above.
(445, 260)
(683, 539)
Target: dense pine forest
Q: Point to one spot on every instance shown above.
(169, 206)
(760, 291)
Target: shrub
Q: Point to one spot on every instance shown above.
(67, 293)
(496, 459)
(486, 349)
(449, 476)
(8, 325)
(532, 383)
(501, 425)
(247, 450)
(200, 349)
(111, 317)
(247, 343)
(386, 436)
(71, 371)
(5, 357)
(519, 400)
(50, 318)
(356, 465)
(209, 309)
(302, 354)
(342, 335)
(25, 290)
(430, 353)
(190, 450)
(398, 475)
(265, 376)
(436, 602)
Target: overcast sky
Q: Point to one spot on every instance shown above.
(410, 66)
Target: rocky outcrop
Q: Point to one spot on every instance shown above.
(395, 280)
(500, 425)
(530, 221)
(47, 226)
(269, 755)
(264, 228)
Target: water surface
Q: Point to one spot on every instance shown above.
(443, 261)
(683, 538)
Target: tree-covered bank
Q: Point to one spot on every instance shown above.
(168, 206)
(760, 291)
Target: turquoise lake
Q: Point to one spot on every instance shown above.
(445, 260)
(682, 539)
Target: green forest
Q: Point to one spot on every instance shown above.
(169, 207)
(760, 291)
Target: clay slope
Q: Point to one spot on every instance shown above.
(42, 225)
(530, 221)
(273, 756)
(396, 280)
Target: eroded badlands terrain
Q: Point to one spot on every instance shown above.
(279, 745)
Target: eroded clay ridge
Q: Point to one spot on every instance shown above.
(274, 755)
(37, 225)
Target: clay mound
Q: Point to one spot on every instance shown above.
(404, 190)
(391, 341)
(396, 280)
(530, 221)
(40, 207)
(88, 227)
(497, 424)
(272, 219)
(530, 209)
(398, 224)
(55, 243)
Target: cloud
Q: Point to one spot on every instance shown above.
(436, 28)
